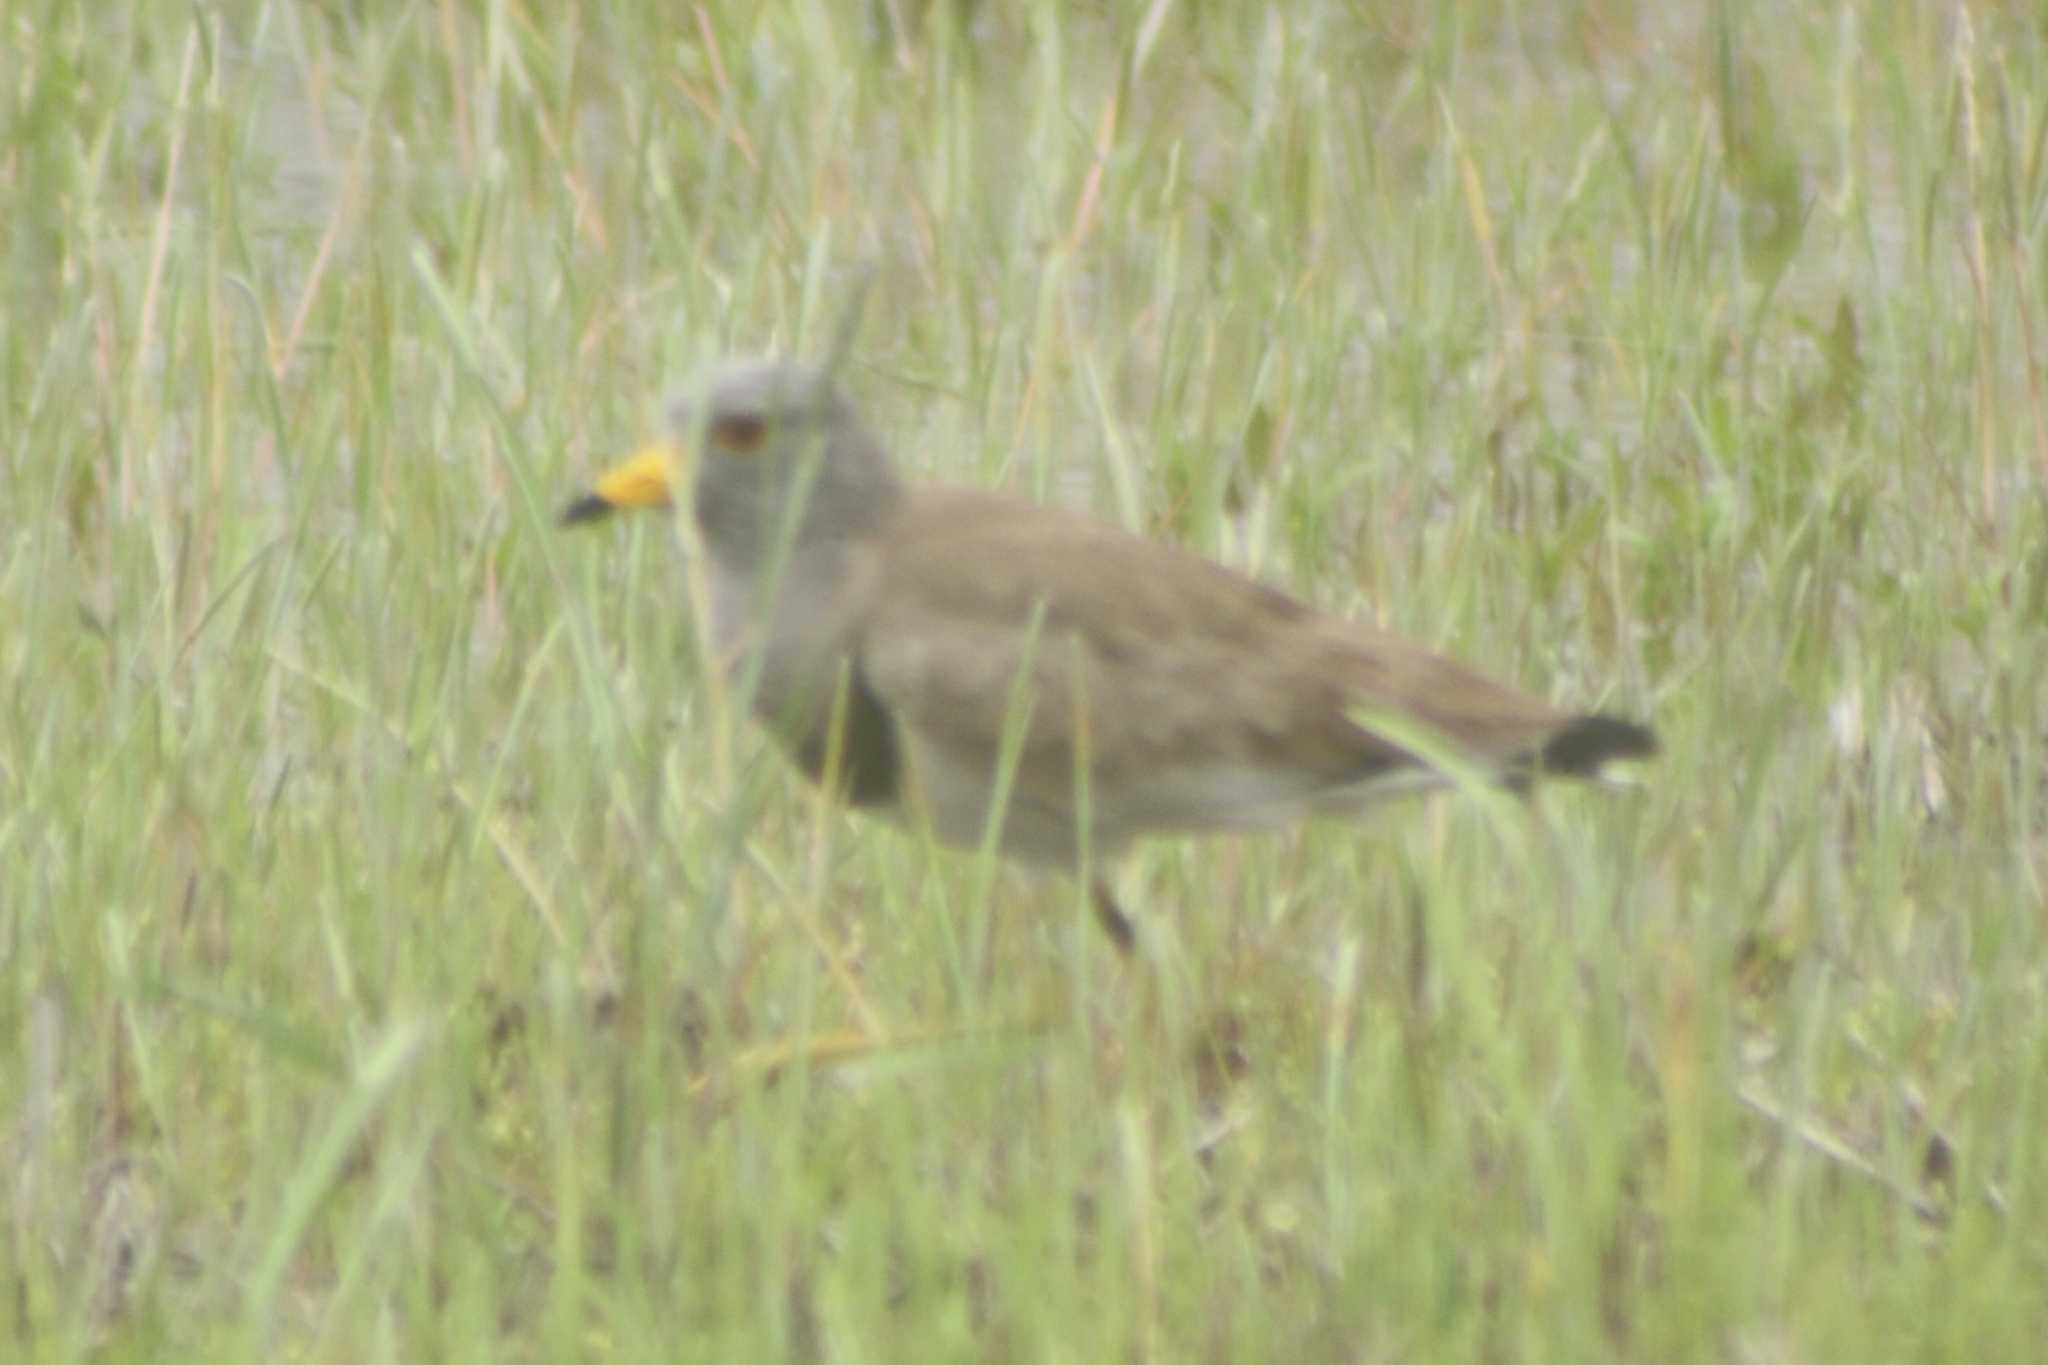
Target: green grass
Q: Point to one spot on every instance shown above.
(399, 960)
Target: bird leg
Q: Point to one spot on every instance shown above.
(1111, 917)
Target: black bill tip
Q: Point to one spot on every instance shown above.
(589, 507)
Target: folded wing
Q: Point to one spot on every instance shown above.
(1200, 698)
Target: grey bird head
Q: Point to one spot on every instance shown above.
(777, 450)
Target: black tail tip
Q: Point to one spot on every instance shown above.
(1587, 742)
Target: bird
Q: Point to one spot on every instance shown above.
(951, 657)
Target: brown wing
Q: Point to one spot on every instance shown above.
(1201, 697)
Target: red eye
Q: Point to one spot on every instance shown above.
(738, 435)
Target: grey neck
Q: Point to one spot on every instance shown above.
(847, 486)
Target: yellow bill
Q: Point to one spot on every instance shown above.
(647, 479)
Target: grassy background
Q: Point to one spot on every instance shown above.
(401, 963)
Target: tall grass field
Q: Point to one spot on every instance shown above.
(407, 955)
